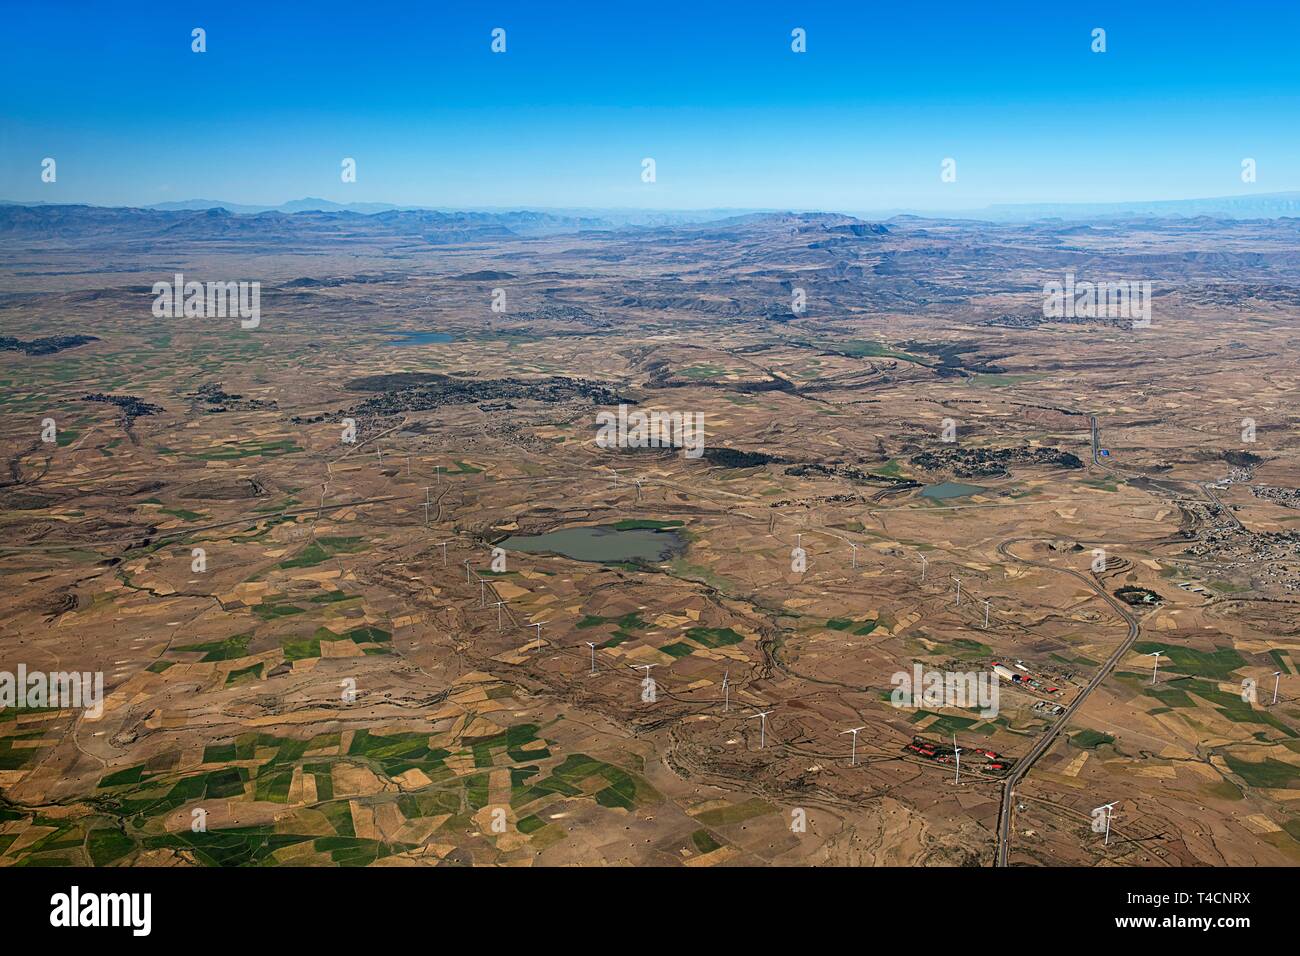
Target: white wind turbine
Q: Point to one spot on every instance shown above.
(1107, 807)
(538, 634)
(762, 727)
(853, 753)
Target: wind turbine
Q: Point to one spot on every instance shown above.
(469, 575)
(499, 605)
(646, 678)
(1155, 664)
(1277, 678)
(957, 755)
(853, 753)
(538, 625)
(924, 565)
(855, 555)
(986, 614)
(591, 644)
(443, 545)
(958, 580)
(726, 692)
(1107, 807)
(762, 727)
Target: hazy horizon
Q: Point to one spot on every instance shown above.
(1044, 209)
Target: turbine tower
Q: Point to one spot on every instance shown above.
(1107, 807)
(538, 625)
(762, 727)
(853, 753)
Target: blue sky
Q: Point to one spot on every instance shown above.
(711, 91)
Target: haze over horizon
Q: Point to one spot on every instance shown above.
(732, 117)
(1243, 206)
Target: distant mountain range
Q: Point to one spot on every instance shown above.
(274, 229)
(725, 268)
(308, 204)
(1258, 206)
(377, 217)
(591, 218)
(271, 230)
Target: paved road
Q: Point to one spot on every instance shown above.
(1045, 742)
(1165, 484)
(1224, 509)
(1025, 763)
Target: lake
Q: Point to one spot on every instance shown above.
(600, 543)
(949, 489)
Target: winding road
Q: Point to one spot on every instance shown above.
(1045, 742)
(1023, 766)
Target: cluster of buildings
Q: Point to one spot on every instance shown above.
(1235, 476)
(1272, 557)
(942, 753)
(1025, 679)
